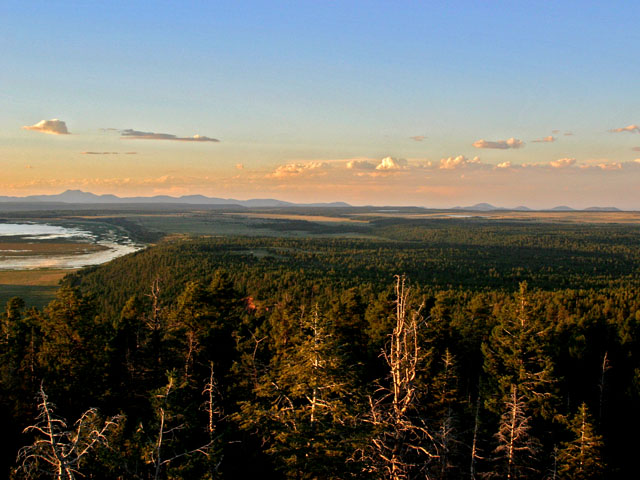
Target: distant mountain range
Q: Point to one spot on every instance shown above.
(78, 196)
(486, 207)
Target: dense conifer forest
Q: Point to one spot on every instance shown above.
(439, 350)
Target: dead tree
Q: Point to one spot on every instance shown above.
(58, 450)
(516, 447)
(161, 455)
(402, 445)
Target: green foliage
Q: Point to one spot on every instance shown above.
(581, 457)
(292, 329)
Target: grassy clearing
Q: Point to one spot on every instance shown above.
(42, 278)
(34, 296)
(542, 217)
(307, 218)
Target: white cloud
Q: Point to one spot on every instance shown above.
(562, 163)
(504, 165)
(452, 163)
(390, 163)
(53, 127)
(500, 144)
(628, 128)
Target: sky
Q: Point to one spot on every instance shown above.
(435, 104)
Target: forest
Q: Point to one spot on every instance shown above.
(439, 349)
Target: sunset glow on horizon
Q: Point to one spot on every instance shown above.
(370, 103)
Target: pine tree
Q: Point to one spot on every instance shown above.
(301, 404)
(580, 458)
(515, 355)
(444, 409)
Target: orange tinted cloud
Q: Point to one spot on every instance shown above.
(562, 162)
(548, 139)
(628, 128)
(295, 169)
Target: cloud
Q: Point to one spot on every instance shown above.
(108, 153)
(604, 166)
(504, 165)
(360, 165)
(294, 169)
(555, 131)
(562, 163)
(451, 163)
(53, 127)
(390, 163)
(500, 144)
(568, 134)
(628, 128)
(239, 166)
(548, 139)
(137, 135)
(418, 138)
(636, 149)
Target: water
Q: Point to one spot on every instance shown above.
(115, 245)
(41, 231)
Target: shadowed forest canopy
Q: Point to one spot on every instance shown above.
(236, 357)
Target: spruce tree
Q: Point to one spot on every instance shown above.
(580, 458)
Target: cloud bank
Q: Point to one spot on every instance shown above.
(52, 127)
(499, 144)
(138, 135)
(295, 169)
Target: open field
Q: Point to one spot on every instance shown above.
(42, 278)
(306, 218)
(547, 217)
(37, 287)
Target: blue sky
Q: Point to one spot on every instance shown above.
(298, 83)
